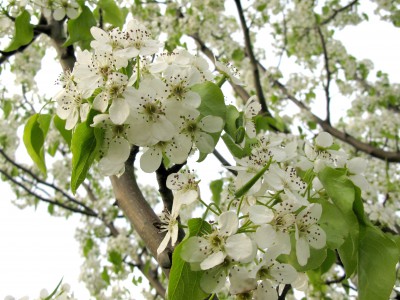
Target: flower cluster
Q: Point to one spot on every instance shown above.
(269, 226)
(138, 102)
(63, 293)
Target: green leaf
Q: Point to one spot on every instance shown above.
(85, 145)
(232, 114)
(88, 246)
(316, 259)
(198, 227)
(7, 108)
(333, 223)
(247, 186)
(115, 258)
(343, 194)
(111, 13)
(79, 29)
(233, 148)
(50, 209)
(329, 261)
(35, 132)
(60, 125)
(105, 276)
(183, 282)
(238, 54)
(212, 104)
(54, 291)
(23, 32)
(378, 256)
(52, 149)
(216, 189)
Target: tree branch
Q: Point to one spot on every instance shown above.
(328, 75)
(39, 197)
(337, 11)
(50, 185)
(224, 162)
(390, 156)
(138, 210)
(253, 60)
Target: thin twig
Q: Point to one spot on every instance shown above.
(337, 11)
(253, 60)
(224, 162)
(390, 156)
(328, 75)
(56, 188)
(50, 201)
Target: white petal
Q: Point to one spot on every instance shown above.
(211, 124)
(72, 13)
(212, 260)
(204, 142)
(84, 111)
(187, 197)
(109, 167)
(228, 223)
(193, 99)
(176, 181)
(192, 250)
(100, 102)
(324, 140)
(150, 160)
(239, 247)
(240, 281)
(356, 165)
(119, 111)
(174, 234)
(283, 273)
(265, 236)
(360, 181)
(316, 237)
(310, 215)
(260, 214)
(213, 281)
(100, 119)
(72, 119)
(301, 283)
(119, 149)
(164, 243)
(251, 129)
(302, 251)
(178, 150)
(162, 129)
(59, 13)
(265, 291)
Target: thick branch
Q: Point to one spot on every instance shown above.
(135, 207)
(166, 194)
(389, 156)
(58, 37)
(253, 60)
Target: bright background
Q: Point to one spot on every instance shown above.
(37, 250)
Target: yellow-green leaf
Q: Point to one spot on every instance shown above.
(85, 145)
(35, 132)
(23, 34)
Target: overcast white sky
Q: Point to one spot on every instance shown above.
(37, 250)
